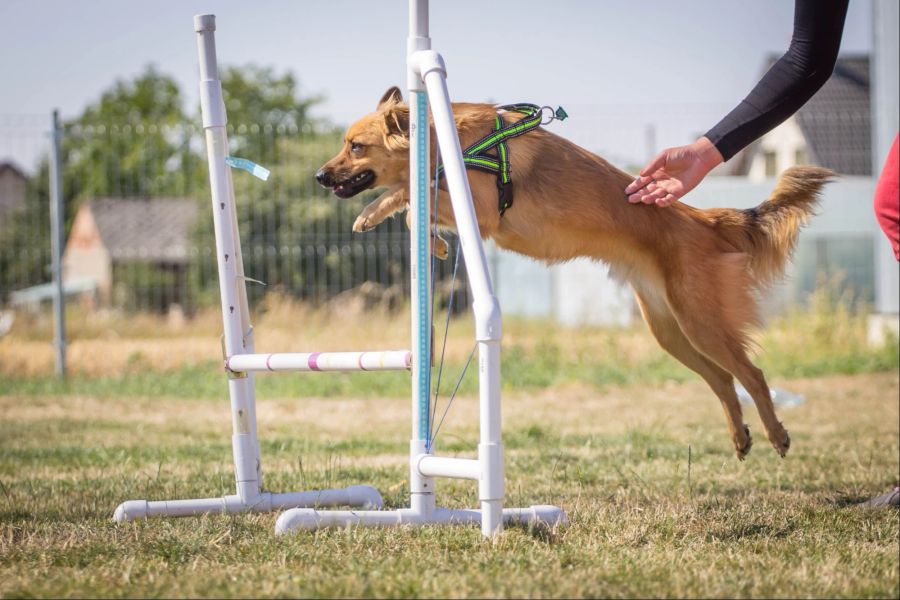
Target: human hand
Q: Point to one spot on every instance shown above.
(673, 173)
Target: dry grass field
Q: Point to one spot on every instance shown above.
(600, 422)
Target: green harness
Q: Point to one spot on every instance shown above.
(476, 156)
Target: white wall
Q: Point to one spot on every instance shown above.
(785, 141)
(574, 293)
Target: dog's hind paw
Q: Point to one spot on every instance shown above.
(784, 445)
(742, 446)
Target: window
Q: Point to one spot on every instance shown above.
(771, 163)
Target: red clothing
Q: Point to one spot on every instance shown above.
(887, 199)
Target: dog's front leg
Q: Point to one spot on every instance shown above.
(440, 247)
(393, 200)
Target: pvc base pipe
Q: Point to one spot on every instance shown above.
(307, 519)
(357, 495)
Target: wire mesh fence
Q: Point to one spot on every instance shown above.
(139, 233)
(138, 220)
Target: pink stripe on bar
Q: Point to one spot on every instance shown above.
(268, 358)
(313, 365)
(359, 362)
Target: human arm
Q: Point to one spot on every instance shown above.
(788, 85)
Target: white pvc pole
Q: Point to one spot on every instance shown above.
(304, 519)
(357, 495)
(231, 283)
(421, 487)
(459, 468)
(56, 247)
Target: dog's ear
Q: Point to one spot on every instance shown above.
(392, 96)
(396, 127)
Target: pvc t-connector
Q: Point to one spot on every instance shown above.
(424, 62)
(414, 82)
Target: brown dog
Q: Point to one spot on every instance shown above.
(696, 273)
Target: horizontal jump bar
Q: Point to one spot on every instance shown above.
(378, 360)
(439, 466)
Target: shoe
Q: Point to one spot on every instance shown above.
(889, 499)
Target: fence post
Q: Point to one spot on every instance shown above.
(56, 244)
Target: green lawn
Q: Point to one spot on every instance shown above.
(658, 504)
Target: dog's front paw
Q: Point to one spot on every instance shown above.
(743, 443)
(441, 249)
(362, 224)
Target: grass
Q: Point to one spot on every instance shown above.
(113, 355)
(631, 445)
(658, 504)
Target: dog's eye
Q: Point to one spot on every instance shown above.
(356, 147)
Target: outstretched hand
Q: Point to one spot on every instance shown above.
(673, 173)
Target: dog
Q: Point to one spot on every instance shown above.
(696, 273)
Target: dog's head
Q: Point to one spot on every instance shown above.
(375, 152)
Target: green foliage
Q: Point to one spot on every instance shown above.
(25, 241)
(134, 141)
(262, 105)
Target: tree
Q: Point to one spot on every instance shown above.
(133, 142)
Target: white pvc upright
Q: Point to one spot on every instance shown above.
(421, 486)
(238, 333)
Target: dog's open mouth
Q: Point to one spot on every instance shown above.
(354, 185)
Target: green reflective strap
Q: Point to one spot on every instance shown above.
(504, 162)
(482, 161)
(502, 153)
(511, 131)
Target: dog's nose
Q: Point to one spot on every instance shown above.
(324, 177)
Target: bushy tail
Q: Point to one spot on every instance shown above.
(768, 233)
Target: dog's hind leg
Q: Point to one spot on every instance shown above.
(713, 314)
(665, 329)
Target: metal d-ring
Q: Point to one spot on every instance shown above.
(551, 118)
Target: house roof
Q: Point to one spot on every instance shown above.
(11, 166)
(145, 229)
(837, 120)
(836, 123)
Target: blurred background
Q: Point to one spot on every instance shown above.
(136, 229)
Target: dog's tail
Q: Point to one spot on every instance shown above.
(768, 233)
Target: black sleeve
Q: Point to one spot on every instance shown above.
(792, 80)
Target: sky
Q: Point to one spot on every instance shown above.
(619, 67)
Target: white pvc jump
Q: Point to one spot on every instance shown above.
(426, 81)
(238, 338)
(389, 360)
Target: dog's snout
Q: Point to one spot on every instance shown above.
(324, 178)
